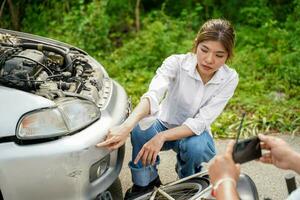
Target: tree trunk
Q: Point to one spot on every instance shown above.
(14, 15)
(206, 12)
(137, 15)
(2, 7)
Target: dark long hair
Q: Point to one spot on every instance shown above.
(217, 30)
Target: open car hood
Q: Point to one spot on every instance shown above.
(35, 72)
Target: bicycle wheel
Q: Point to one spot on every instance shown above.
(181, 191)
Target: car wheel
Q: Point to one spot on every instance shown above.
(114, 192)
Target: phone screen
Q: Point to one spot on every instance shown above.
(247, 150)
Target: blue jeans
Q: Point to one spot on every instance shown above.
(191, 152)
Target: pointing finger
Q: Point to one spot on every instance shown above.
(106, 143)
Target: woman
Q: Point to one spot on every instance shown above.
(188, 92)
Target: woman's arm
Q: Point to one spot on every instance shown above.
(176, 133)
(140, 111)
(149, 104)
(150, 150)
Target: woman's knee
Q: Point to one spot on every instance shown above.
(195, 150)
(142, 136)
(200, 148)
(136, 134)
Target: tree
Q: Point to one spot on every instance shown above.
(137, 15)
(14, 13)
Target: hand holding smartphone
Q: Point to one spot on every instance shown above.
(246, 150)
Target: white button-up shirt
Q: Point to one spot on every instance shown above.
(178, 96)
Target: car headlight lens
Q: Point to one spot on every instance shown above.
(79, 113)
(67, 117)
(41, 124)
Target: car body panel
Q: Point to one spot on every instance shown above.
(59, 168)
(62, 166)
(14, 104)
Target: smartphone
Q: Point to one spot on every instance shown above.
(246, 150)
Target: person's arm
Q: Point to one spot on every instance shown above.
(279, 153)
(294, 165)
(150, 150)
(159, 85)
(176, 133)
(227, 190)
(224, 174)
(209, 112)
(149, 104)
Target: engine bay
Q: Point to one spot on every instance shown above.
(50, 70)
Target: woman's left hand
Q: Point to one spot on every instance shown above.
(150, 150)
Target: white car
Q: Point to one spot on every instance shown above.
(56, 104)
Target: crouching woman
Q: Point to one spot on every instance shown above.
(187, 94)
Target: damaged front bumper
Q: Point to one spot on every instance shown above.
(60, 169)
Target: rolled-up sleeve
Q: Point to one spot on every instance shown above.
(213, 108)
(159, 85)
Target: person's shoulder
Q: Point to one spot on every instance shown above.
(228, 74)
(228, 71)
(188, 57)
(179, 59)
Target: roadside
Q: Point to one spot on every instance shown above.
(268, 179)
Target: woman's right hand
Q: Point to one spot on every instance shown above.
(116, 137)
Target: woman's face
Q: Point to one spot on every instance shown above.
(211, 55)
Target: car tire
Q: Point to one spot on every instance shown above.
(116, 190)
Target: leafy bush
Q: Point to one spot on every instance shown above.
(85, 25)
(134, 64)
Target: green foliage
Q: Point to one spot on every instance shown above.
(134, 64)
(121, 20)
(267, 52)
(269, 88)
(86, 25)
(256, 13)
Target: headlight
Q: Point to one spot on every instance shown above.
(67, 117)
(79, 114)
(42, 124)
